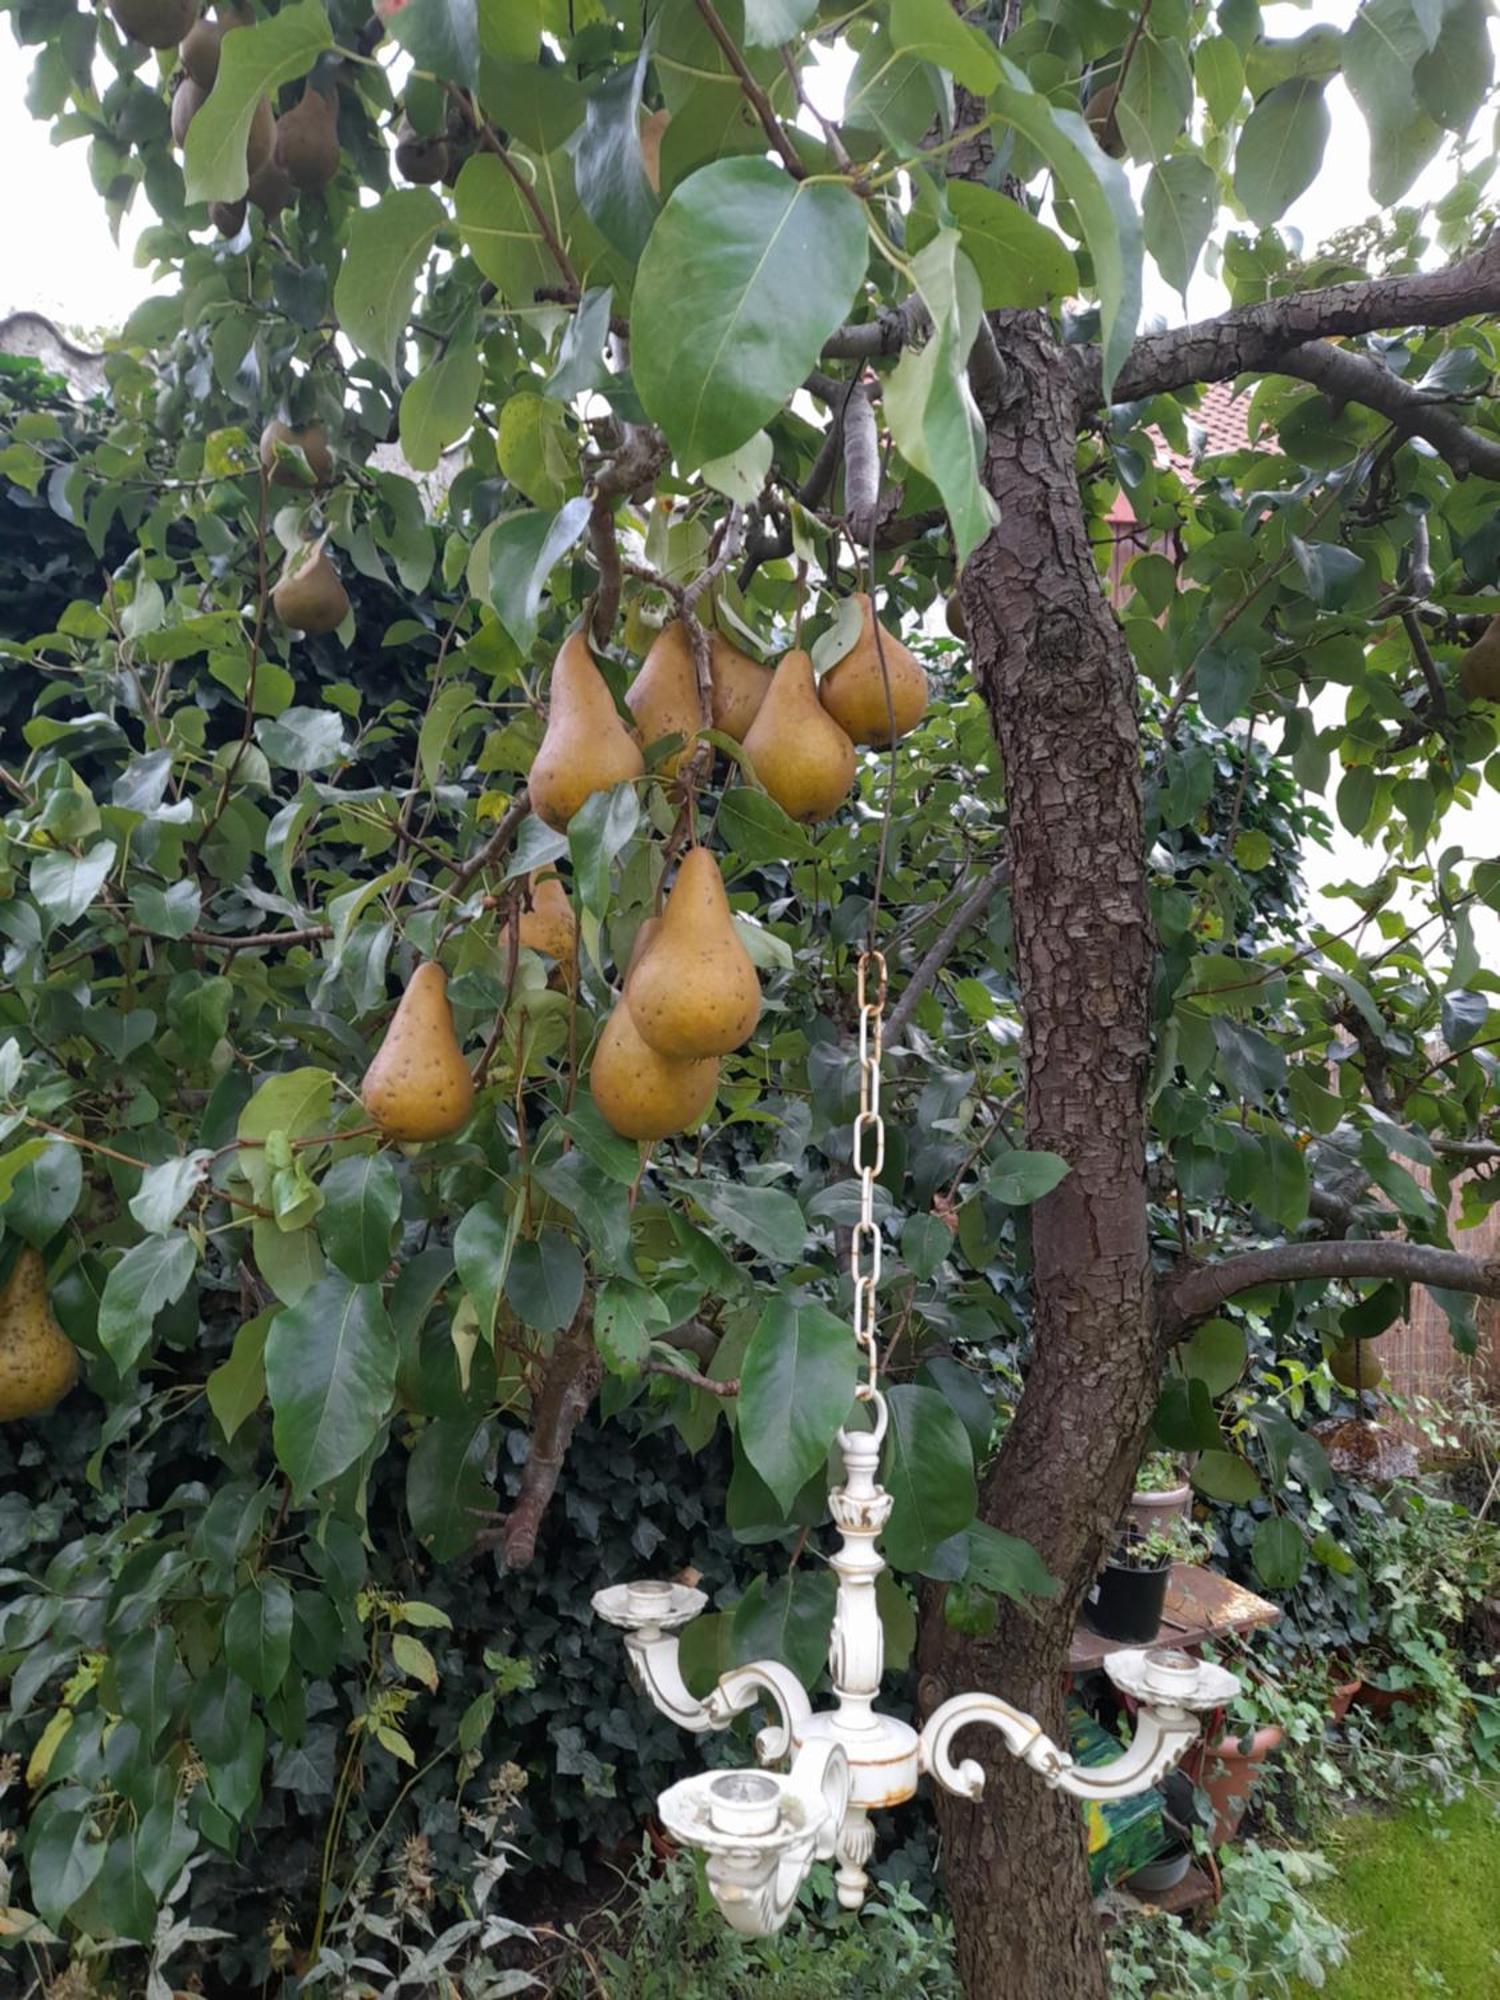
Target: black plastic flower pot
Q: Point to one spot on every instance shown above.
(1127, 1604)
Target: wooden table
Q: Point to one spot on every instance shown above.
(1200, 1605)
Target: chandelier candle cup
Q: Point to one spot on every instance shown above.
(744, 1802)
(648, 1602)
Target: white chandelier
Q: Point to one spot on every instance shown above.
(762, 1830)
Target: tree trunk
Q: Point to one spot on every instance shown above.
(1060, 687)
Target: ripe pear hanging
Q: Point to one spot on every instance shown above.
(310, 439)
(694, 991)
(38, 1363)
(643, 1095)
(156, 23)
(418, 1086)
(310, 598)
(801, 755)
(740, 687)
(663, 697)
(307, 141)
(549, 924)
(854, 691)
(586, 747)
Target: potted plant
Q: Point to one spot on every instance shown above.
(1127, 1601)
(1161, 1492)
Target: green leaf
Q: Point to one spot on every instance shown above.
(1382, 49)
(1153, 107)
(544, 1284)
(1464, 1016)
(169, 913)
(580, 352)
(483, 1244)
(627, 1318)
(1228, 677)
(46, 1184)
(500, 230)
(1018, 261)
(768, 23)
(596, 833)
(1007, 1565)
(1215, 1356)
(388, 245)
(441, 36)
(928, 1469)
(62, 1859)
(1330, 572)
(437, 405)
(756, 829)
(746, 274)
(1220, 73)
(1281, 149)
(609, 169)
(1279, 1553)
(928, 403)
(440, 726)
(1182, 197)
(296, 1102)
(145, 1666)
(741, 475)
(149, 1276)
(533, 446)
(788, 1621)
(18, 1157)
(258, 1634)
(65, 884)
(797, 1381)
(933, 32)
(1457, 74)
(1224, 1475)
(361, 1207)
(767, 1219)
(165, 1190)
(1022, 1178)
(331, 1374)
(303, 739)
(525, 548)
(446, 1491)
(253, 63)
(237, 1387)
(1100, 193)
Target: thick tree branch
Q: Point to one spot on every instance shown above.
(890, 330)
(1258, 336)
(861, 465)
(571, 1376)
(968, 912)
(1193, 1294)
(1347, 377)
(636, 465)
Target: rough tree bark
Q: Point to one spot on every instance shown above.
(1060, 688)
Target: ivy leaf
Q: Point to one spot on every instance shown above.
(439, 35)
(388, 245)
(746, 274)
(1281, 149)
(1279, 1553)
(928, 1469)
(361, 1207)
(149, 1276)
(254, 62)
(65, 884)
(525, 548)
(331, 1374)
(797, 1382)
(437, 405)
(928, 403)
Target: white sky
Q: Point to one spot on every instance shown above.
(60, 258)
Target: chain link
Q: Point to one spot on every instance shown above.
(869, 1161)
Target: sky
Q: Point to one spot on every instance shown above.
(59, 257)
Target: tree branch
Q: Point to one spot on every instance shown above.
(968, 912)
(571, 1376)
(1347, 377)
(892, 328)
(757, 99)
(1421, 652)
(1258, 336)
(638, 463)
(1193, 1294)
(861, 464)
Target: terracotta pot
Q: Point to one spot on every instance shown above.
(1230, 1775)
(1151, 1511)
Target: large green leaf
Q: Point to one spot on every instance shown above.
(928, 403)
(609, 169)
(1178, 212)
(746, 274)
(544, 1284)
(771, 22)
(767, 1219)
(361, 1206)
(258, 1634)
(1007, 1565)
(253, 63)
(330, 1371)
(797, 1383)
(44, 1191)
(388, 245)
(525, 548)
(789, 1620)
(1018, 260)
(1100, 194)
(437, 405)
(64, 885)
(627, 1318)
(1456, 75)
(150, 1275)
(928, 1469)
(502, 233)
(1281, 149)
(296, 1102)
(1384, 45)
(439, 35)
(932, 31)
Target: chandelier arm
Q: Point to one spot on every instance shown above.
(742, 1687)
(654, 1668)
(1160, 1739)
(1161, 1736)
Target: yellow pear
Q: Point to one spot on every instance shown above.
(801, 756)
(420, 159)
(549, 924)
(640, 944)
(663, 697)
(586, 747)
(740, 686)
(418, 1086)
(38, 1363)
(311, 598)
(653, 130)
(954, 619)
(694, 991)
(1354, 1366)
(643, 1095)
(1099, 113)
(854, 691)
(1479, 669)
(307, 141)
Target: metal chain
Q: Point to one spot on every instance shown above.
(869, 1162)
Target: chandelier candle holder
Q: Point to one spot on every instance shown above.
(762, 1830)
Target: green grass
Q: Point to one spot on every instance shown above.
(1420, 1895)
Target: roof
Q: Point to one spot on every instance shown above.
(1218, 424)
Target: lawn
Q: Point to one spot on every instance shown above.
(1420, 1897)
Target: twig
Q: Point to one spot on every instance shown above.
(1421, 652)
(693, 1379)
(967, 913)
(762, 106)
(490, 142)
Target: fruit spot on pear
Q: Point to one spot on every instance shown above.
(418, 1086)
(38, 1363)
(854, 692)
(642, 1094)
(800, 754)
(694, 992)
(586, 748)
